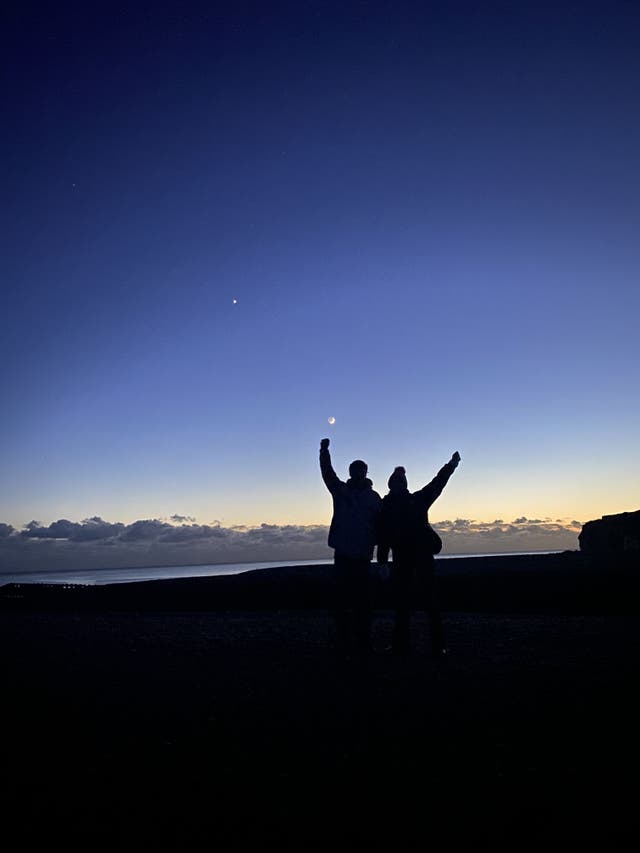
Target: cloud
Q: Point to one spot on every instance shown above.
(181, 518)
(96, 528)
(467, 536)
(85, 531)
(95, 543)
(147, 530)
(194, 532)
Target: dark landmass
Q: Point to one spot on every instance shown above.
(612, 534)
(211, 712)
(550, 583)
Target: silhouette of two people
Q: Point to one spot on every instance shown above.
(399, 525)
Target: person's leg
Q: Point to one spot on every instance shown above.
(341, 602)
(361, 600)
(431, 604)
(401, 574)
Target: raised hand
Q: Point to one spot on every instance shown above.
(324, 444)
(455, 458)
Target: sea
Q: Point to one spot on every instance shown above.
(97, 577)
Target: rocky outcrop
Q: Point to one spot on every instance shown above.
(611, 534)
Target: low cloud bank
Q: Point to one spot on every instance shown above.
(465, 536)
(95, 543)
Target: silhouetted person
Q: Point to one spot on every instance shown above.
(352, 535)
(405, 530)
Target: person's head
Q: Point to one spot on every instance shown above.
(398, 480)
(358, 469)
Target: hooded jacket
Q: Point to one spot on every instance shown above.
(404, 519)
(356, 507)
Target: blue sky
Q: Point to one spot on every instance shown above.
(427, 214)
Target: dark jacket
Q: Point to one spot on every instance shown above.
(355, 512)
(404, 526)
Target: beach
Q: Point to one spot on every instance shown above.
(235, 727)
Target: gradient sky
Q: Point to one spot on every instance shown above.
(428, 215)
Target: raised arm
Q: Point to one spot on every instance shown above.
(433, 490)
(331, 479)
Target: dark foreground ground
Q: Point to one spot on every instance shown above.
(237, 730)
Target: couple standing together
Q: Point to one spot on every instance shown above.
(397, 523)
